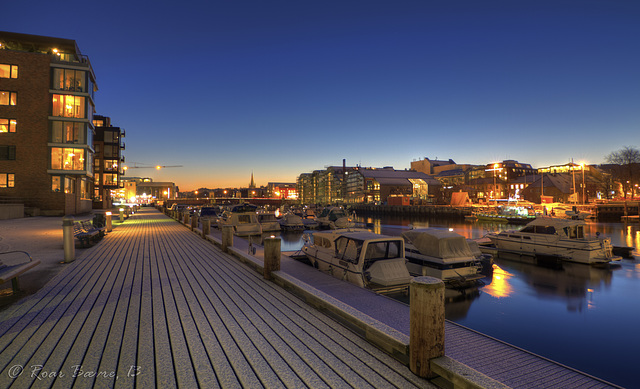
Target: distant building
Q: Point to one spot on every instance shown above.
(282, 190)
(371, 185)
(46, 124)
(323, 186)
(428, 166)
(146, 188)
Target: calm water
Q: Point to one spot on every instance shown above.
(584, 317)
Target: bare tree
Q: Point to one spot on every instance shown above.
(625, 167)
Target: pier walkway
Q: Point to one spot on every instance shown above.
(154, 305)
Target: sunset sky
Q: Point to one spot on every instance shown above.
(279, 88)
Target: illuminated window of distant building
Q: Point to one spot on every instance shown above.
(69, 79)
(67, 158)
(8, 71)
(7, 153)
(8, 125)
(7, 180)
(55, 184)
(8, 98)
(67, 132)
(68, 106)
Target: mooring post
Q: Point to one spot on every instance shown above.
(121, 215)
(426, 324)
(108, 222)
(186, 217)
(271, 256)
(206, 228)
(194, 222)
(67, 239)
(227, 238)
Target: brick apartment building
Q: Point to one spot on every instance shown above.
(108, 162)
(46, 132)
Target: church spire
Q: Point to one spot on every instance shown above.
(252, 184)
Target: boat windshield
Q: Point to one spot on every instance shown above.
(548, 230)
(382, 250)
(348, 249)
(574, 232)
(244, 219)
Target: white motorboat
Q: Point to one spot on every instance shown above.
(268, 221)
(334, 218)
(360, 257)
(442, 254)
(554, 237)
(244, 220)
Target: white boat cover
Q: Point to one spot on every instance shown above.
(438, 243)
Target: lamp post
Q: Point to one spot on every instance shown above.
(582, 166)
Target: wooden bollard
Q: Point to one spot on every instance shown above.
(194, 222)
(227, 238)
(206, 228)
(426, 324)
(186, 218)
(271, 256)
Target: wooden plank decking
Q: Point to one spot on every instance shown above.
(153, 305)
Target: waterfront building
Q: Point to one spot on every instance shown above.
(145, 188)
(307, 184)
(108, 162)
(47, 89)
(428, 166)
(374, 185)
(282, 190)
(323, 187)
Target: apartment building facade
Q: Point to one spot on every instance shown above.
(108, 166)
(47, 104)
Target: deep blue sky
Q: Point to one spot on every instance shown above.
(279, 88)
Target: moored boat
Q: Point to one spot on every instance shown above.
(268, 221)
(334, 218)
(291, 222)
(360, 257)
(561, 238)
(442, 254)
(243, 218)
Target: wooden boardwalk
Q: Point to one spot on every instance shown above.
(154, 305)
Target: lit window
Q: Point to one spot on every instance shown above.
(8, 98)
(8, 71)
(69, 185)
(67, 159)
(69, 80)
(7, 180)
(68, 106)
(8, 125)
(55, 183)
(67, 132)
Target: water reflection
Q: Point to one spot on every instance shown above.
(499, 286)
(570, 284)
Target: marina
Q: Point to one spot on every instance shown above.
(579, 315)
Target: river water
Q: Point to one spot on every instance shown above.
(584, 317)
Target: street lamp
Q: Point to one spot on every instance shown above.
(582, 166)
